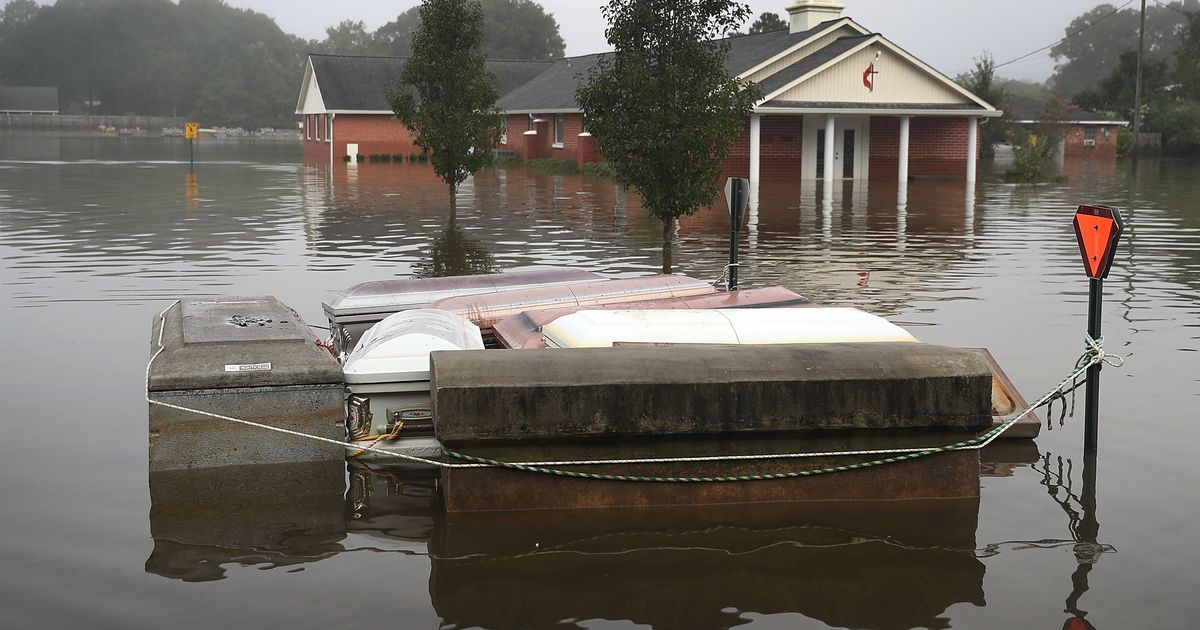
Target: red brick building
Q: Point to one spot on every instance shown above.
(1081, 133)
(830, 87)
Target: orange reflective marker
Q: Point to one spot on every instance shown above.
(1097, 228)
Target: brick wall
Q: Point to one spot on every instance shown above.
(374, 133)
(937, 147)
(1105, 137)
(780, 149)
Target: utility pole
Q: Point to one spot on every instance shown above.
(1137, 88)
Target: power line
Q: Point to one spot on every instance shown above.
(1052, 45)
(1172, 7)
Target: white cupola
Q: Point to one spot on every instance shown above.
(806, 14)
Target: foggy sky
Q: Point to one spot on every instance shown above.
(946, 34)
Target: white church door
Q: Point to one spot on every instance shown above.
(850, 146)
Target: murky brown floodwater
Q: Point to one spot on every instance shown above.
(98, 234)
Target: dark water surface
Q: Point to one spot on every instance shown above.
(97, 235)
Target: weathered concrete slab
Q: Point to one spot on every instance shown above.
(182, 439)
(248, 358)
(942, 476)
(579, 393)
(231, 341)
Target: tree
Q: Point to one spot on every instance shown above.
(446, 96)
(1115, 91)
(512, 29)
(662, 108)
(349, 38)
(1096, 39)
(767, 22)
(981, 82)
(1187, 59)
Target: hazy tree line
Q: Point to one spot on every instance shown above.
(1097, 67)
(209, 61)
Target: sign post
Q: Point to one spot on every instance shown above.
(190, 131)
(1097, 228)
(737, 197)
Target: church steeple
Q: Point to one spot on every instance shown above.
(806, 14)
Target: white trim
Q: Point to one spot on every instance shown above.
(1101, 123)
(387, 112)
(543, 111)
(331, 117)
(755, 148)
(880, 39)
(833, 24)
(310, 79)
(585, 134)
(870, 111)
(556, 145)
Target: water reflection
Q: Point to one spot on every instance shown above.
(280, 515)
(453, 253)
(844, 565)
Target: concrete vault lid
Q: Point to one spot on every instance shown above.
(231, 341)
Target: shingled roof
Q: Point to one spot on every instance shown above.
(27, 99)
(352, 83)
(1022, 109)
(554, 89)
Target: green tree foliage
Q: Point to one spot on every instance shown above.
(1096, 39)
(1114, 94)
(198, 58)
(981, 81)
(1187, 59)
(512, 29)
(351, 38)
(662, 108)
(1034, 145)
(767, 22)
(446, 96)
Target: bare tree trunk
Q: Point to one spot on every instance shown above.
(668, 232)
(453, 203)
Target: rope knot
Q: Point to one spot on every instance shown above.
(1095, 353)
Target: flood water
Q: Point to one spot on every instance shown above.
(99, 234)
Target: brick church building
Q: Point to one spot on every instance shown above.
(839, 101)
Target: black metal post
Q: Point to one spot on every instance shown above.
(1092, 391)
(735, 220)
(191, 153)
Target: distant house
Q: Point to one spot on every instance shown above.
(839, 101)
(19, 99)
(1087, 133)
(344, 108)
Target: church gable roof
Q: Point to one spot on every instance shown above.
(868, 71)
(359, 84)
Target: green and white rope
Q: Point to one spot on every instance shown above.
(1094, 354)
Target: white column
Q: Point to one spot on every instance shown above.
(902, 169)
(755, 148)
(972, 148)
(829, 144)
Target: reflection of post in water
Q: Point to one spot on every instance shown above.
(1087, 550)
(1082, 523)
(453, 253)
(191, 190)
